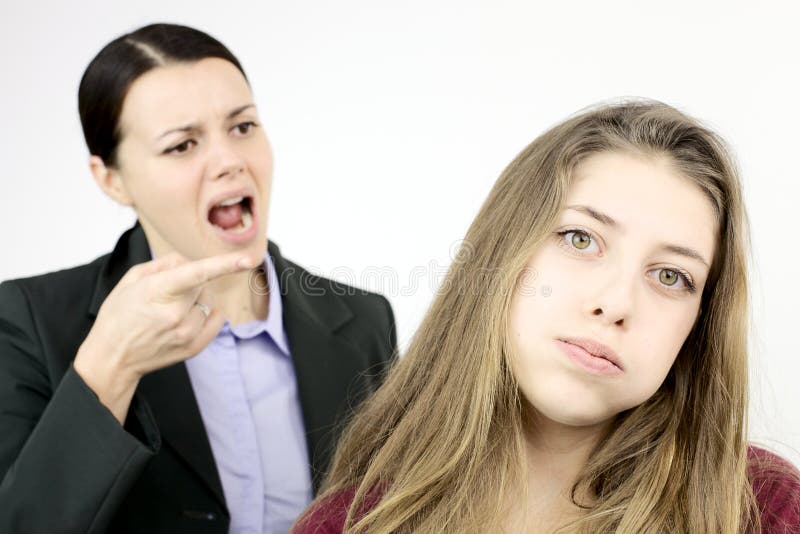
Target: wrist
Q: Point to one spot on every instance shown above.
(106, 375)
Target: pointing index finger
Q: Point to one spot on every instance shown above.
(194, 274)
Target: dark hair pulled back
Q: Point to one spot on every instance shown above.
(109, 76)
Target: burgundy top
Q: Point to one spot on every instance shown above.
(776, 484)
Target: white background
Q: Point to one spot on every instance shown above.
(390, 122)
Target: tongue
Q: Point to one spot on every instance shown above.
(226, 217)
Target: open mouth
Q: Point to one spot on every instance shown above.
(234, 215)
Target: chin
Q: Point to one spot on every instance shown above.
(571, 408)
(253, 250)
(578, 419)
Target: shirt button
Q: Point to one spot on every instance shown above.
(199, 514)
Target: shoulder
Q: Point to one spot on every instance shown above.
(327, 514)
(359, 300)
(44, 319)
(353, 312)
(55, 293)
(776, 486)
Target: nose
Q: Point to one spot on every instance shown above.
(225, 160)
(613, 298)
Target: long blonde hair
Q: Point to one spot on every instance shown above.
(442, 440)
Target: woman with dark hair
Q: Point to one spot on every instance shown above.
(190, 380)
(585, 367)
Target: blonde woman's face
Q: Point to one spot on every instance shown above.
(606, 303)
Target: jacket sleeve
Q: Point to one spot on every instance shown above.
(65, 462)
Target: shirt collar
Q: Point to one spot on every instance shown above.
(273, 324)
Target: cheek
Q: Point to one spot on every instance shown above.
(167, 193)
(561, 276)
(260, 160)
(549, 296)
(664, 335)
(542, 310)
(547, 301)
(657, 344)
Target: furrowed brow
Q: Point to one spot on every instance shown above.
(194, 127)
(239, 110)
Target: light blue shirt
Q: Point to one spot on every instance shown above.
(246, 389)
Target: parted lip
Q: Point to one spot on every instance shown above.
(595, 348)
(246, 192)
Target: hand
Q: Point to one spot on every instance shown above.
(150, 321)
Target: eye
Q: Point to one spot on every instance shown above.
(668, 277)
(575, 239)
(244, 128)
(581, 242)
(671, 278)
(181, 148)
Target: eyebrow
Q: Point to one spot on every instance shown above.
(194, 127)
(609, 221)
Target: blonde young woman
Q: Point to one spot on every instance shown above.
(584, 368)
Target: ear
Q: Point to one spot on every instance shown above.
(109, 181)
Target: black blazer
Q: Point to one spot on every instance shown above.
(67, 465)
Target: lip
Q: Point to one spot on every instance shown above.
(591, 355)
(235, 239)
(223, 196)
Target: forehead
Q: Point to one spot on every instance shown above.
(648, 197)
(182, 93)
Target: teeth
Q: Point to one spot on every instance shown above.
(231, 202)
(247, 221)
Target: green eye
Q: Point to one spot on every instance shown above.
(668, 277)
(580, 240)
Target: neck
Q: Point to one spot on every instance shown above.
(555, 455)
(242, 297)
(556, 451)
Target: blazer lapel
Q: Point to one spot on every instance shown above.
(325, 362)
(167, 391)
(171, 398)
